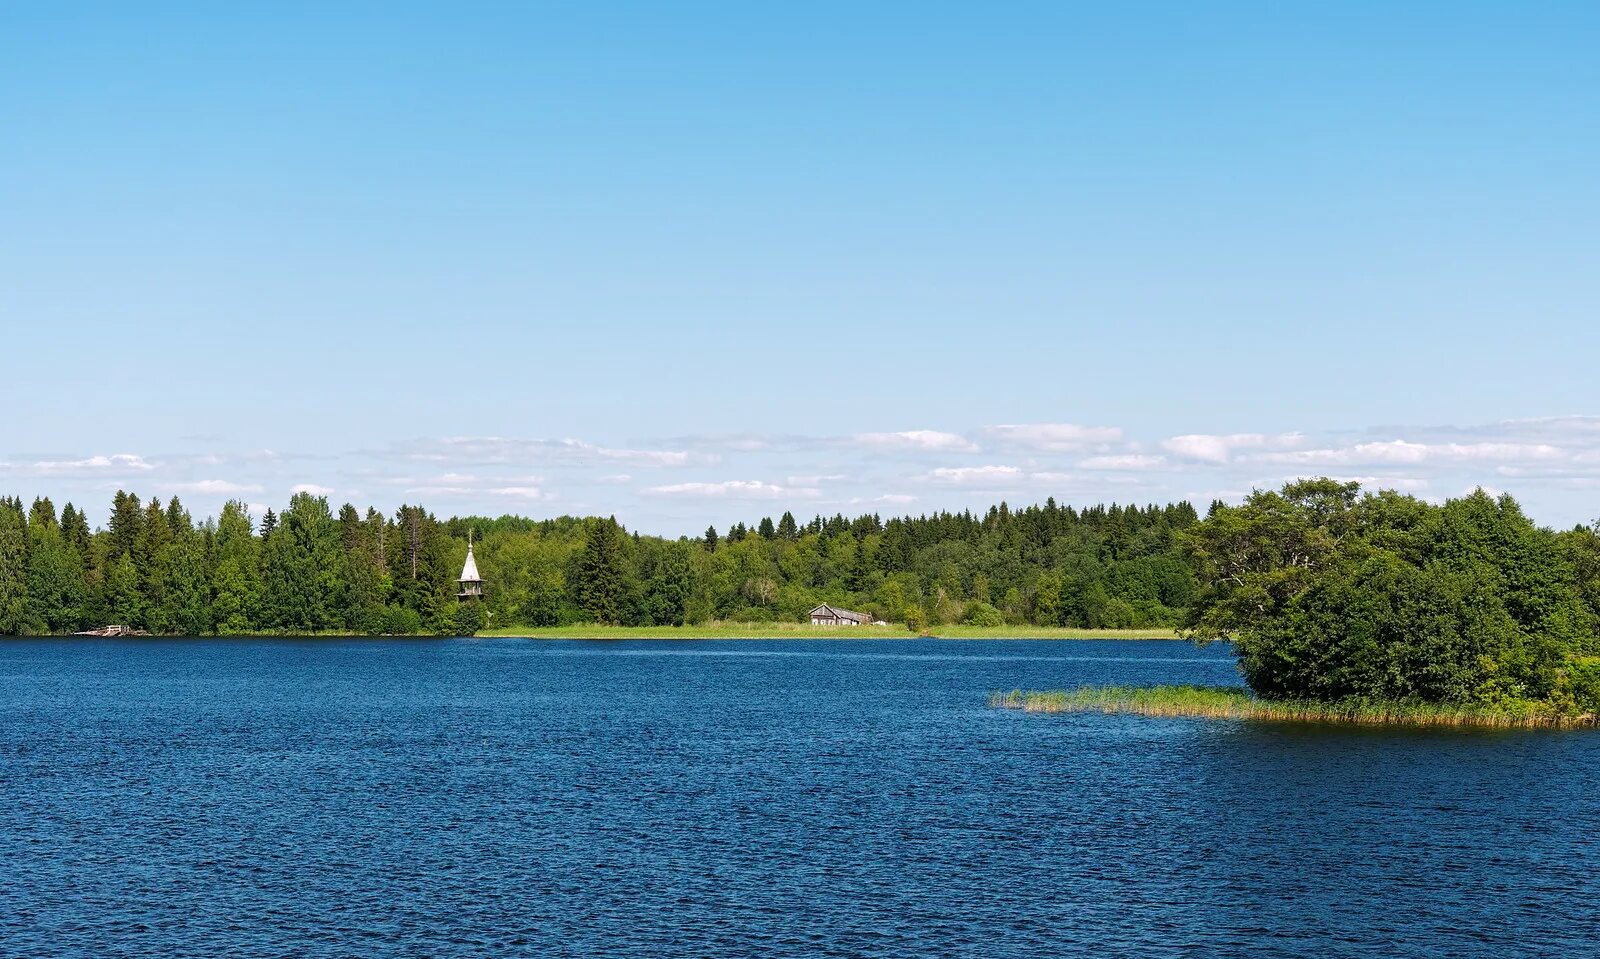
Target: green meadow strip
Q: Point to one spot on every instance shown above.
(1210, 702)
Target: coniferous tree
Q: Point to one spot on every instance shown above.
(75, 529)
(13, 567)
(187, 598)
(710, 540)
(598, 577)
(55, 580)
(786, 527)
(235, 572)
(300, 567)
(124, 597)
(667, 589)
(420, 569)
(127, 518)
(360, 572)
(152, 557)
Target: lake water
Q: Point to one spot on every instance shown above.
(774, 798)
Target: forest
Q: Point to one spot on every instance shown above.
(1326, 592)
(308, 569)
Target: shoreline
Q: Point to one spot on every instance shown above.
(756, 631)
(1237, 703)
(742, 631)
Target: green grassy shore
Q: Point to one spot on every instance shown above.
(1228, 703)
(729, 630)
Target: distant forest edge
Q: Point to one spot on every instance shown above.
(308, 569)
(1325, 591)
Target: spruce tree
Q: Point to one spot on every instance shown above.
(124, 528)
(13, 567)
(55, 581)
(235, 572)
(598, 573)
(124, 598)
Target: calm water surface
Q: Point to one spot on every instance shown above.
(776, 798)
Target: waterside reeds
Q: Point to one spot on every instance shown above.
(1232, 703)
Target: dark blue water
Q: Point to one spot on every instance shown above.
(835, 798)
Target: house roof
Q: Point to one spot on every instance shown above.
(842, 613)
(469, 570)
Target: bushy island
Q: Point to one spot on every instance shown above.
(1381, 607)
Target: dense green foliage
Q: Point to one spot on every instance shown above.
(307, 569)
(1046, 565)
(1329, 594)
(153, 568)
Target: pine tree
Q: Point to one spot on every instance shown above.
(667, 590)
(178, 520)
(75, 529)
(124, 598)
(13, 567)
(187, 595)
(360, 600)
(152, 557)
(786, 527)
(55, 581)
(419, 562)
(710, 540)
(598, 574)
(300, 567)
(42, 515)
(765, 529)
(127, 517)
(235, 572)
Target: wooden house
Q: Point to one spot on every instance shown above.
(826, 615)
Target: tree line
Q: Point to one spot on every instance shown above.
(308, 569)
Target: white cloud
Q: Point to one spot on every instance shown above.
(115, 463)
(1406, 453)
(971, 475)
(522, 492)
(1054, 437)
(930, 441)
(733, 489)
(215, 487)
(312, 488)
(1220, 447)
(616, 479)
(897, 499)
(1123, 461)
(499, 449)
(816, 480)
(468, 484)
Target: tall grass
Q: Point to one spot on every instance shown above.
(1231, 703)
(804, 630)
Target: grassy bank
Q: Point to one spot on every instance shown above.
(729, 630)
(1224, 703)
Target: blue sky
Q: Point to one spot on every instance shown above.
(693, 263)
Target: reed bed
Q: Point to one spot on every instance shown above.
(1211, 702)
